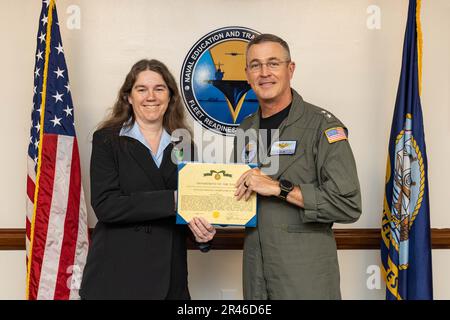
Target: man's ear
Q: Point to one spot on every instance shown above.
(246, 75)
(292, 68)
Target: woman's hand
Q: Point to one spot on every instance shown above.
(202, 229)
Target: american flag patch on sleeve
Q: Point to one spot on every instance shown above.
(335, 134)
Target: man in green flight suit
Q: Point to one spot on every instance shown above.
(306, 180)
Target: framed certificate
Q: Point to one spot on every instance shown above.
(207, 190)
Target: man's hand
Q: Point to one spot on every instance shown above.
(202, 229)
(254, 180)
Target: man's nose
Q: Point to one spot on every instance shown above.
(264, 70)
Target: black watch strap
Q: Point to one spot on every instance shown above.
(285, 187)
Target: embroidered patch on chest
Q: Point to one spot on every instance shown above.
(283, 147)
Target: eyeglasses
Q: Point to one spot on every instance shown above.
(271, 65)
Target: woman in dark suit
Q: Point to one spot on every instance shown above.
(137, 250)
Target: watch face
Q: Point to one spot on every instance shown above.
(286, 184)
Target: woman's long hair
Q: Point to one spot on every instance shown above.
(122, 111)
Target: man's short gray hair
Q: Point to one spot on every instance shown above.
(268, 37)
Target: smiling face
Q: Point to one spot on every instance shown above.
(271, 81)
(149, 97)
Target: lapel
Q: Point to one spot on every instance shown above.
(144, 159)
(167, 167)
(288, 131)
(253, 136)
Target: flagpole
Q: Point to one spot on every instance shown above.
(41, 135)
(419, 44)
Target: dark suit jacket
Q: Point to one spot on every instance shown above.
(137, 250)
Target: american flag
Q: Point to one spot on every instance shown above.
(335, 134)
(56, 224)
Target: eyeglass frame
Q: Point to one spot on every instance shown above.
(260, 65)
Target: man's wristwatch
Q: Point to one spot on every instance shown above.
(286, 186)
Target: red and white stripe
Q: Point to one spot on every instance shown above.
(60, 241)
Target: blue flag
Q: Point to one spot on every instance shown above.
(405, 245)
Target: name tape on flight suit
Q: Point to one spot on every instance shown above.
(283, 147)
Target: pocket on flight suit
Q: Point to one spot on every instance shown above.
(313, 241)
(304, 228)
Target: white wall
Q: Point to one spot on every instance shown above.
(341, 65)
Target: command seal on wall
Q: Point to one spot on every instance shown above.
(213, 82)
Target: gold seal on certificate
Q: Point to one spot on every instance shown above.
(207, 190)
